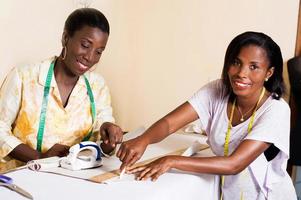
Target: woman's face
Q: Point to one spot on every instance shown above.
(84, 49)
(249, 70)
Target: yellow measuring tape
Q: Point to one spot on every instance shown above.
(228, 134)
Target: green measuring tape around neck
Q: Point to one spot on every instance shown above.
(45, 103)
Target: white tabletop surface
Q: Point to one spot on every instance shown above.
(173, 185)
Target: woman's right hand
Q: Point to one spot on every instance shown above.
(56, 150)
(25, 153)
(131, 151)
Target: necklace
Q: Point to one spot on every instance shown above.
(243, 115)
(227, 138)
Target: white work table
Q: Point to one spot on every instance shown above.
(174, 185)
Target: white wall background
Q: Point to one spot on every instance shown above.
(159, 52)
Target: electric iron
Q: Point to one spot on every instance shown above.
(83, 155)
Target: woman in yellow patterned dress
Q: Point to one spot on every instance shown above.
(49, 106)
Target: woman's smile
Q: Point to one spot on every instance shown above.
(240, 85)
(82, 67)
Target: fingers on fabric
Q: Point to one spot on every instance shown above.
(134, 159)
(142, 173)
(151, 172)
(122, 167)
(124, 158)
(136, 169)
(121, 152)
(127, 155)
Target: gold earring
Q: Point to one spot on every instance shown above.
(266, 79)
(64, 52)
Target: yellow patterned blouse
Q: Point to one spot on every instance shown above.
(21, 97)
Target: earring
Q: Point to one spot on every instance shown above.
(64, 52)
(266, 79)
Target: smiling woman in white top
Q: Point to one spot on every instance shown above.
(246, 120)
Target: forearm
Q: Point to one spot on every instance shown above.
(242, 157)
(169, 124)
(157, 132)
(24, 153)
(210, 165)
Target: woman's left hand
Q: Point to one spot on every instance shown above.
(111, 135)
(154, 169)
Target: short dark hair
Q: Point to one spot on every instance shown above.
(275, 83)
(86, 17)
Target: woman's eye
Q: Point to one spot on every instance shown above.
(85, 45)
(253, 67)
